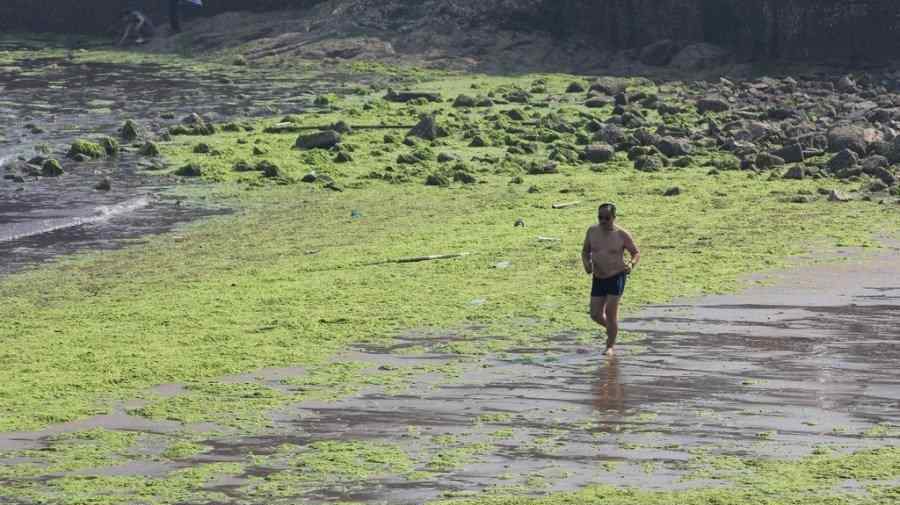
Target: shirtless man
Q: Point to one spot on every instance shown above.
(603, 255)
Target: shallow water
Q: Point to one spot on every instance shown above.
(43, 218)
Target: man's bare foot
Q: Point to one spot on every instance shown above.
(609, 351)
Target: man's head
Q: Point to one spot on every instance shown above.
(606, 215)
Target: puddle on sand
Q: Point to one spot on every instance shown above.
(772, 372)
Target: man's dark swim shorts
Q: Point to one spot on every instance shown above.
(610, 286)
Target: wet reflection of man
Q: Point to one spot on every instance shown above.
(609, 393)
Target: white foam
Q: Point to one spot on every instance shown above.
(99, 214)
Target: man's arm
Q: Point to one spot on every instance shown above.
(632, 249)
(586, 253)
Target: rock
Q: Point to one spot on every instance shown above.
(408, 96)
(575, 87)
(310, 177)
(341, 127)
(847, 137)
(85, 149)
(149, 149)
(877, 186)
(129, 131)
(533, 189)
(843, 160)
(621, 99)
(649, 163)
(518, 96)
(243, 166)
(598, 153)
(515, 114)
(427, 129)
(268, 169)
(611, 134)
(800, 199)
(659, 53)
(447, 157)
(190, 170)
(882, 174)
(203, 148)
(333, 186)
(319, 140)
(343, 157)
(782, 113)
(193, 124)
(673, 147)
(874, 162)
(519, 223)
(464, 177)
(836, 196)
(673, 191)
(321, 101)
(535, 168)
(795, 172)
(893, 150)
(104, 185)
(597, 102)
(766, 161)
(465, 101)
(845, 84)
(51, 168)
(437, 180)
(684, 162)
(478, 141)
(699, 56)
(712, 104)
(790, 154)
(609, 85)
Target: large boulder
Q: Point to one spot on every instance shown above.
(712, 104)
(598, 153)
(699, 56)
(674, 147)
(847, 137)
(791, 154)
(843, 160)
(659, 53)
(319, 140)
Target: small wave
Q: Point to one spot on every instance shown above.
(99, 214)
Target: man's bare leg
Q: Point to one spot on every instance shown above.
(598, 310)
(611, 311)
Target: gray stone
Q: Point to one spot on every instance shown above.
(712, 104)
(843, 160)
(766, 161)
(598, 153)
(673, 147)
(319, 140)
(847, 137)
(649, 163)
(790, 154)
(795, 172)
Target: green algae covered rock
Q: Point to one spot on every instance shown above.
(51, 168)
(85, 148)
(110, 145)
(130, 131)
(190, 170)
